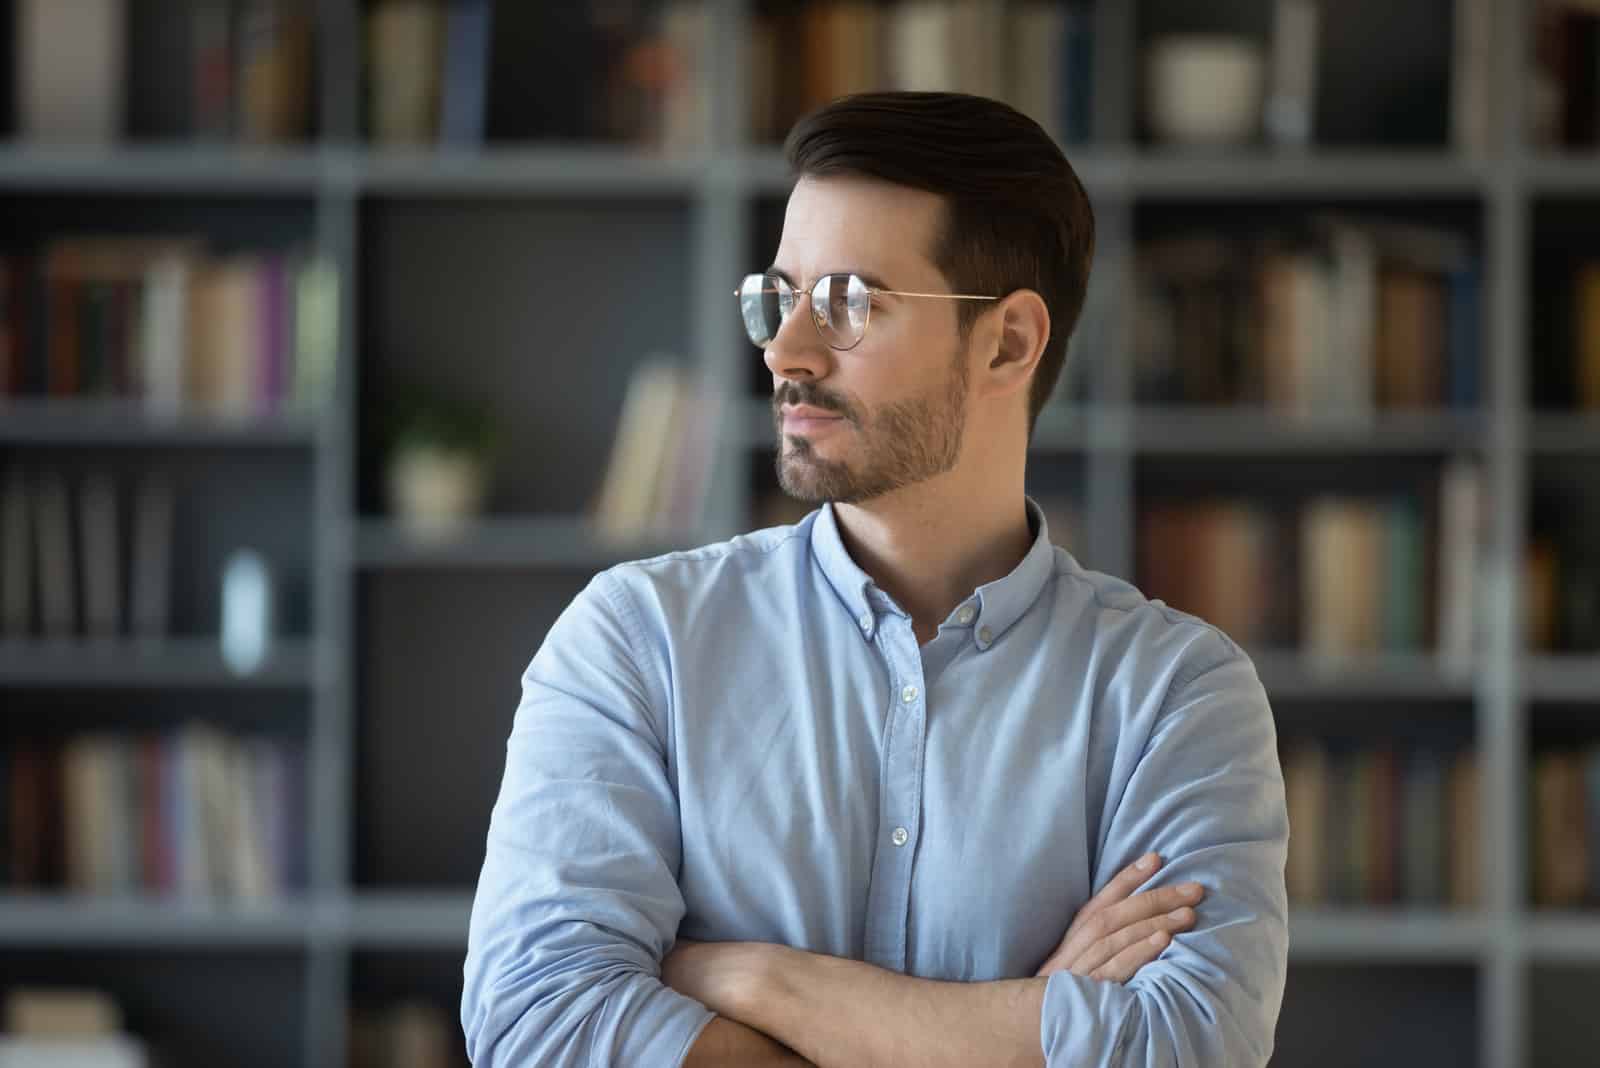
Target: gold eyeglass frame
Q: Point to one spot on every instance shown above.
(810, 294)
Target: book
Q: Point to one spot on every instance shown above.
(405, 41)
(102, 570)
(1461, 519)
(273, 70)
(468, 25)
(57, 556)
(1341, 561)
(1560, 844)
(71, 70)
(1465, 851)
(211, 70)
(1474, 104)
(16, 554)
(1423, 829)
(1290, 107)
(642, 446)
(151, 559)
(1305, 773)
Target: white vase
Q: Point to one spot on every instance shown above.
(1203, 89)
(433, 492)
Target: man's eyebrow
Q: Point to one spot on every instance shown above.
(873, 281)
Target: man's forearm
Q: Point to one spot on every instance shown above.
(842, 1013)
(726, 1043)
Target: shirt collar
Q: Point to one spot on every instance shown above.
(997, 605)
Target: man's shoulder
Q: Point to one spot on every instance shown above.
(1121, 615)
(743, 558)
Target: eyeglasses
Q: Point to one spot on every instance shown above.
(841, 304)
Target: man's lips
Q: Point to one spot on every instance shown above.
(803, 419)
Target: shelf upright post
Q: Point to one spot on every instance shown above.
(1502, 732)
(330, 757)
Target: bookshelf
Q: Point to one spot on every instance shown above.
(381, 886)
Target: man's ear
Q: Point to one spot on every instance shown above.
(1023, 324)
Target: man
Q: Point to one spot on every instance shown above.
(831, 793)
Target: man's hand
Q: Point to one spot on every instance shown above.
(1113, 936)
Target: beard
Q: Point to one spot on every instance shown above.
(899, 444)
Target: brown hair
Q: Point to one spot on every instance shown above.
(1016, 216)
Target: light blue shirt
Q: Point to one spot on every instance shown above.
(746, 742)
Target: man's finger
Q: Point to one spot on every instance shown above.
(1122, 914)
(1109, 947)
(1126, 964)
(1121, 885)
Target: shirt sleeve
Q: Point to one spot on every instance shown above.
(1207, 794)
(578, 898)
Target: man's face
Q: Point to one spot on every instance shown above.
(896, 402)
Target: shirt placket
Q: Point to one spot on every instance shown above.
(900, 797)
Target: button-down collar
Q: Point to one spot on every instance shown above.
(998, 604)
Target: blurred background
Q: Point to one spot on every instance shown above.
(342, 342)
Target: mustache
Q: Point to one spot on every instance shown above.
(805, 393)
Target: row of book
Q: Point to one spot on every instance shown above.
(231, 70)
(188, 814)
(658, 476)
(1566, 827)
(1382, 825)
(1034, 54)
(1334, 576)
(1334, 323)
(429, 71)
(161, 321)
(62, 572)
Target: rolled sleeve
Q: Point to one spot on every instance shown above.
(578, 898)
(1207, 794)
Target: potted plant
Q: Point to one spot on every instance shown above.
(439, 459)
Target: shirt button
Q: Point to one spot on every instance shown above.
(908, 694)
(866, 622)
(966, 615)
(985, 635)
(900, 836)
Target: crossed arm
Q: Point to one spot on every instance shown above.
(578, 906)
(782, 1006)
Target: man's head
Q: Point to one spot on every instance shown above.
(931, 193)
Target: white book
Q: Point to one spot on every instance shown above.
(250, 880)
(102, 573)
(152, 556)
(1038, 76)
(686, 28)
(71, 64)
(980, 38)
(1353, 296)
(639, 451)
(164, 337)
(921, 48)
(16, 555)
(109, 1051)
(1473, 101)
(1291, 104)
(58, 593)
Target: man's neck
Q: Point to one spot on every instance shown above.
(929, 551)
